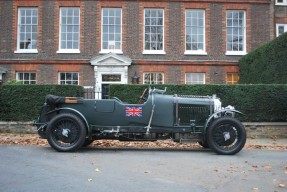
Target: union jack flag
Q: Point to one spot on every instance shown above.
(133, 111)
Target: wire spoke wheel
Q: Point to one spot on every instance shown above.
(66, 132)
(226, 136)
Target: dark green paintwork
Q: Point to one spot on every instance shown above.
(111, 112)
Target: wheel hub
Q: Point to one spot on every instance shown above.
(226, 136)
(65, 132)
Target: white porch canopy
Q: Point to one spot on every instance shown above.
(109, 69)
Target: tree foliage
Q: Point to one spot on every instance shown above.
(266, 64)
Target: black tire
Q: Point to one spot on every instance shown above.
(203, 144)
(226, 136)
(87, 142)
(66, 132)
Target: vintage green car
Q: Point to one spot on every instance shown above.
(69, 123)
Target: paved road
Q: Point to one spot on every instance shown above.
(28, 168)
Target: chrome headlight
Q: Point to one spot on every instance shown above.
(230, 113)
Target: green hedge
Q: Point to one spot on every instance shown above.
(266, 64)
(259, 103)
(23, 102)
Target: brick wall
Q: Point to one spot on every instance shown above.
(90, 30)
(280, 14)
(260, 31)
(174, 26)
(133, 29)
(6, 29)
(17, 127)
(215, 64)
(49, 76)
(266, 130)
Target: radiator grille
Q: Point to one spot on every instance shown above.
(192, 112)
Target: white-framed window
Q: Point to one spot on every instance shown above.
(232, 78)
(195, 31)
(69, 35)
(281, 2)
(153, 78)
(235, 32)
(153, 31)
(195, 78)
(27, 30)
(280, 29)
(68, 78)
(26, 77)
(111, 30)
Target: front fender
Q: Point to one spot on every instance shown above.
(75, 112)
(220, 113)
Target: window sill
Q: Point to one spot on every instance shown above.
(27, 51)
(195, 53)
(153, 52)
(235, 53)
(111, 51)
(69, 51)
(281, 4)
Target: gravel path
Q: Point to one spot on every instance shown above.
(34, 139)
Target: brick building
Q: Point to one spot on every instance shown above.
(280, 14)
(95, 43)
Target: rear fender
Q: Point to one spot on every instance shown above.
(71, 110)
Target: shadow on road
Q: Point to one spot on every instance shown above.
(91, 149)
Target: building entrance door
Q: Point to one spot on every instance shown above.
(105, 91)
(108, 79)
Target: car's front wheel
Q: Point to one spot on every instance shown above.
(66, 132)
(226, 136)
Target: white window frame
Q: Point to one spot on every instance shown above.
(156, 77)
(149, 51)
(27, 34)
(108, 50)
(197, 76)
(191, 25)
(67, 50)
(280, 25)
(281, 3)
(65, 81)
(243, 52)
(29, 80)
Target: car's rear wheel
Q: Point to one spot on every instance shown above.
(66, 132)
(226, 136)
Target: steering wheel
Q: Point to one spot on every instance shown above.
(142, 98)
